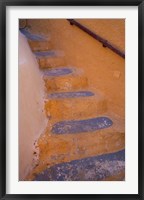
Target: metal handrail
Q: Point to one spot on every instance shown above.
(97, 37)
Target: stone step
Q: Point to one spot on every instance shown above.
(64, 79)
(50, 59)
(40, 45)
(60, 148)
(81, 126)
(33, 37)
(60, 71)
(37, 42)
(74, 105)
(96, 168)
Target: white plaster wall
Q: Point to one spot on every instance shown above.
(32, 120)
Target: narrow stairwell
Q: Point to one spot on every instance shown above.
(83, 141)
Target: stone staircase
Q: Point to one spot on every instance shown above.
(84, 141)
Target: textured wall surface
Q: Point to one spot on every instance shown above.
(32, 121)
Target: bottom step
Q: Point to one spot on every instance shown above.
(96, 168)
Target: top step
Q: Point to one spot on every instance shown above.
(34, 37)
(37, 42)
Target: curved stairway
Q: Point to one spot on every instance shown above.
(84, 141)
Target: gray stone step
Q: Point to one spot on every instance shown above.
(66, 78)
(74, 105)
(47, 54)
(75, 94)
(37, 42)
(40, 45)
(50, 59)
(94, 168)
(60, 71)
(33, 37)
(81, 126)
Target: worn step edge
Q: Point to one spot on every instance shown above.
(72, 94)
(73, 79)
(61, 71)
(81, 126)
(87, 169)
(50, 60)
(57, 71)
(48, 63)
(48, 54)
(40, 45)
(33, 37)
(70, 108)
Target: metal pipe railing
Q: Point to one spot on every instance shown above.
(97, 37)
